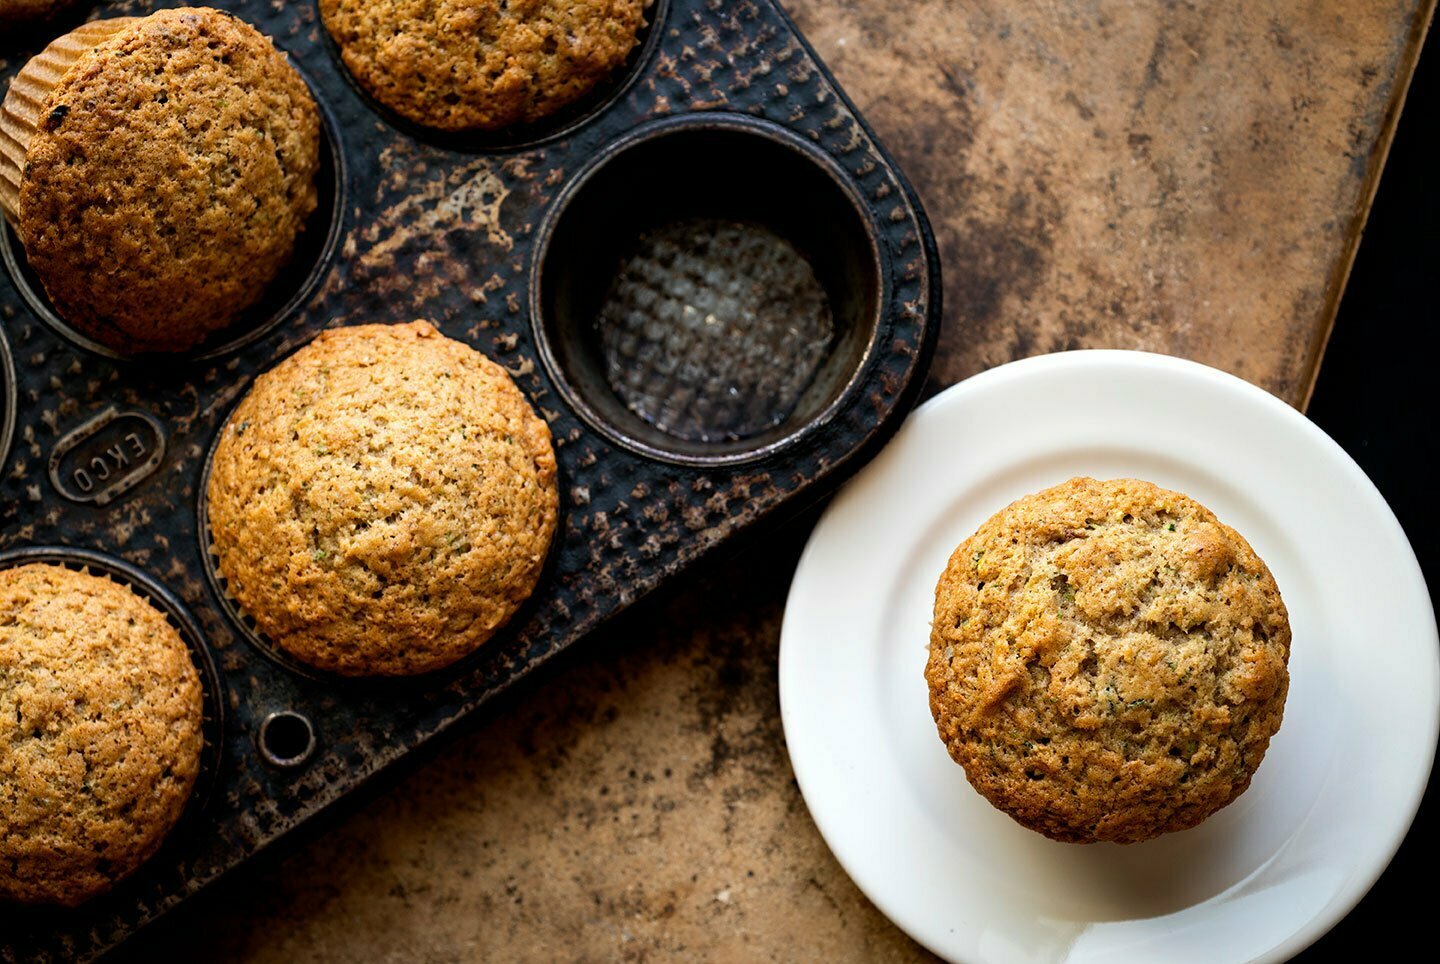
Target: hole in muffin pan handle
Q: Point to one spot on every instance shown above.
(286, 739)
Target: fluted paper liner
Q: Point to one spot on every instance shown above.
(24, 106)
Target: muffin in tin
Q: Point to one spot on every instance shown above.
(13, 12)
(1108, 661)
(158, 171)
(482, 65)
(100, 717)
(382, 502)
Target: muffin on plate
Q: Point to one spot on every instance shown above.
(382, 502)
(100, 717)
(158, 171)
(1108, 661)
(481, 65)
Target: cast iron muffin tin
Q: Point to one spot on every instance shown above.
(507, 244)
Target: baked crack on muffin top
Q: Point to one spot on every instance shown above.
(382, 501)
(171, 172)
(100, 732)
(1107, 661)
(482, 65)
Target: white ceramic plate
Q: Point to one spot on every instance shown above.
(1259, 880)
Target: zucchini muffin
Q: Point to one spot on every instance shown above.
(382, 501)
(481, 65)
(158, 171)
(1108, 661)
(100, 720)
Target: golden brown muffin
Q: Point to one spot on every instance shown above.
(24, 11)
(100, 720)
(1108, 661)
(473, 65)
(167, 174)
(382, 501)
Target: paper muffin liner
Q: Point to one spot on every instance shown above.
(24, 105)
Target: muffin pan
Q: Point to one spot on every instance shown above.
(724, 155)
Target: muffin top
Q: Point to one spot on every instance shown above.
(100, 718)
(470, 65)
(171, 168)
(1107, 661)
(382, 501)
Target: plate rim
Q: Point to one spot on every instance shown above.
(1360, 883)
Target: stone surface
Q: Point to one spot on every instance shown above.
(1182, 177)
(633, 801)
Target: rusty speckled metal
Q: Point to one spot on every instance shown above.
(448, 230)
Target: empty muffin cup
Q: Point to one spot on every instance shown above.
(708, 289)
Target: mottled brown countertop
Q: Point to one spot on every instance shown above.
(1182, 177)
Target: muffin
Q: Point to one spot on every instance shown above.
(382, 502)
(1107, 661)
(481, 65)
(100, 717)
(158, 171)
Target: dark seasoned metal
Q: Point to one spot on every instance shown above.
(427, 230)
(106, 456)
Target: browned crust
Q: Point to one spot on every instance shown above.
(100, 720)
(382, 501)
(1107, 661)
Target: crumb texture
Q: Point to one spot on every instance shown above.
(472, 65)
(1108, 661)
(170, 172)
(100, 733)
(382, 501)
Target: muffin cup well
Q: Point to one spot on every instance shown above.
(249, 630)
(691, 174)
(314, 252)
(525, 136)
(23, 109)
(212, 693)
